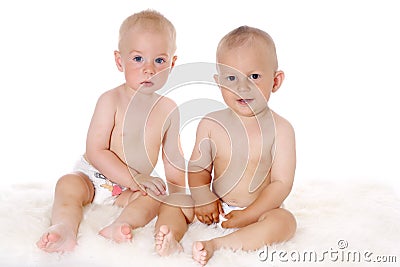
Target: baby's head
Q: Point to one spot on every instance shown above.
(146, 47)
(248, 37)
(247, 69)
(147, 20)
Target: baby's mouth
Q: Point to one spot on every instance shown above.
(147, 83)
(245, 101)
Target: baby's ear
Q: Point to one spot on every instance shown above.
(174, 58)
(216, 79)
(118, 60)
(278, 80)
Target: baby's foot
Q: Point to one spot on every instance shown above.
(166, 243)
(58, 238)
(202, 251)
(118, 232)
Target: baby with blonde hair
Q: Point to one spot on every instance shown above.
(129, 125)
(243, 163)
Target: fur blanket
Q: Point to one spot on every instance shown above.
(338, 223)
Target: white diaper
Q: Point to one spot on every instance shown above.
(105, 190)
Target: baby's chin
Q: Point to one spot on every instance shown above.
(249, 111)
(243, 112)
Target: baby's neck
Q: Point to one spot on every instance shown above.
(255, 118)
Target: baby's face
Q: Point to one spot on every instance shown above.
(146, 58)
(246, 77)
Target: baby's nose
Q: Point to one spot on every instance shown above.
(245, 86)
(149, 68)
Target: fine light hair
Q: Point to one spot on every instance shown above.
(150, 20)
(245, 35)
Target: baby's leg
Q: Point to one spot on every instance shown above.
(171, 225)
(140, 211)
(72, 192)
(274, 226)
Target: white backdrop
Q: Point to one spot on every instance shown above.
(341, 60)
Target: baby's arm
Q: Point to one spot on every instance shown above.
(282, 176)
(172, 155)
(98, 143)
(207, 204)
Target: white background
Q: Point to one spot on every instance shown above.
(341, 60)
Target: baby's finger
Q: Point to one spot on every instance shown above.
(228, 224)
(228, 216)
(143, 189)
(220, 209)
(140, 188)
(200, 218)
(207, 219)
(215, 217)
(225, 224)
(152, 187)
(160, 186)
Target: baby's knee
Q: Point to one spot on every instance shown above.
(75, 185)
(283, 221)
(289, 220)
(73, 179)
(283, 216)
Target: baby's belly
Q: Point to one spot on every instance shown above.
(238, 193)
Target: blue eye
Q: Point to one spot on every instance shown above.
(159, 60)
(138, 59)
(254, 76)
(231, 78)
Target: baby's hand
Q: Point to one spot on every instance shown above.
(209, 214)
(135, 187)
(235, 219)
(154, 184)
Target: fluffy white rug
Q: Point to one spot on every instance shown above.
(338, 223)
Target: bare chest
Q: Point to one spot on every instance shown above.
(138, 138)
(242, 162)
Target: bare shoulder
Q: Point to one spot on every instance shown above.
(110, 97)
(213, 119)
(283, 127)
(166, 104)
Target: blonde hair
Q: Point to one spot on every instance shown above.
(245, 35)
(149, 19)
